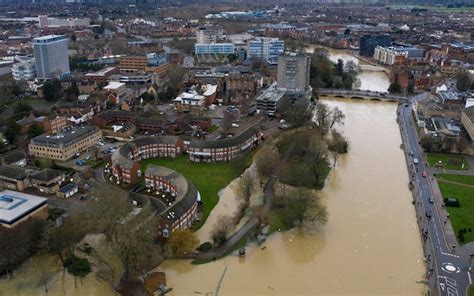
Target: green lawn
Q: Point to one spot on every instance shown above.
(209, 178)
(469, 180)
(448, 161)
(463, 216)
(470, 290)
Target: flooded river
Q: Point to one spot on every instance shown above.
(369, 246)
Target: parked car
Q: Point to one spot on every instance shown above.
(80, 162)
(235, 125)
(415, 160)
(424, 174)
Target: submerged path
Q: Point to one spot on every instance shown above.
(254, 221)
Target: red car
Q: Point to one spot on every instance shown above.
(424, 174)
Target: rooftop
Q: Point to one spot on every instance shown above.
(272, 93)
(48, 38)
(114, 85)
(16, 205)
(69, 136)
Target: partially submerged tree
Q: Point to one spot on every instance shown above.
(181, 242)
(266, 160)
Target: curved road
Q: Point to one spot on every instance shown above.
(449, 272)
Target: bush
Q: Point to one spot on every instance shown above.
(204, 247)
(78, 266)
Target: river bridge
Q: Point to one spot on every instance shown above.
(361, 95)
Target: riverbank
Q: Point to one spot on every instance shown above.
(358, 251)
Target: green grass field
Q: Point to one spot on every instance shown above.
(461, 217)
(469, 180)
(448, 161)
(209, 178)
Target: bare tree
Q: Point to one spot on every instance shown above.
(222, 230)
(266, 160)
(323, 118)
(337, 117)
(246, 186)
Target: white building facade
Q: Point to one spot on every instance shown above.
(51, 57)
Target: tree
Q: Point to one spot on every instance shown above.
(22, 107)
(52, 90)
(323, 118)
(35, 130)
(181, 242)
(246, 186)
(337, 117)
(463, 81)
(302, 205)
(395, 88)
(78, 266)
(133, 242)
(62, 240)
(295, 112)
(340, 67)
(337, 145)
(12, 130)
(266, 160)
(222, 230)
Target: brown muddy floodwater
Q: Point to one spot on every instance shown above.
(369, 246)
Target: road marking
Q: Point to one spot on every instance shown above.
(450, 285)
(447, 254)
(450, 268)
(470, 280)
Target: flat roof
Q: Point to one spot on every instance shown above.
(48, 38)
(114, 85)
(16, 205)
(102, 72)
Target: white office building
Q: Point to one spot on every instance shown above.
(24, 69)
(51, 56)
(267, 49)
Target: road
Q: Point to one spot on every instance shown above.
(449, 273)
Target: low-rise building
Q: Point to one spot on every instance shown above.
(48, 181)
(67, 191)
(269, 100)
(181, 210)
(25, 69)
(125, 162)
(14, 178)
(100, 77)
(16, 207)
(63, 146)
(226, 149)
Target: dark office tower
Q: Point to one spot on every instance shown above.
(368, 43)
